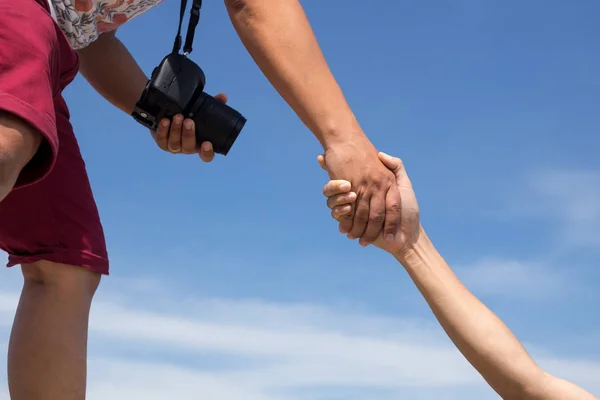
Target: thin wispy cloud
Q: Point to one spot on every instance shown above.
(514, 278)
(572, 197)
(569, 199)
(259, 350)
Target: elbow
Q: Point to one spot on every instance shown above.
(544, 386)
(244, 15)
(238, 6)
(533, 388)
(245, 10)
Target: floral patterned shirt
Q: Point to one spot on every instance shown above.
(83, 21)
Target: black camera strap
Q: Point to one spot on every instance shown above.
(194, 18)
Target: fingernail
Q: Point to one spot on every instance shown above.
(206, 146)
(345, 186)
(178, 119)
(187, 124)
(164, 122)
(389, 237)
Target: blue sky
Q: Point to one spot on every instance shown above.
(230, 281)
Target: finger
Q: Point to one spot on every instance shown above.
(188, 137)
(376, 219)
(321, 160)
(361, 216)
(392, 163)
(335, 187)
(341, 211)
(341, 200)
(397, 167)
(407, 208)
(346, 222)
(222, 97)
(206, 152)
(162, 134)
(393, 214)
(174, 142)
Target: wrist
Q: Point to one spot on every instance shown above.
(336, 134)
(422, 251)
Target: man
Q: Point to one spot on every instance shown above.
(485, 341)
(48, 218)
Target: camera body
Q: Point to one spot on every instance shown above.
(177, 87)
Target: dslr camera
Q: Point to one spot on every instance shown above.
(177, 87)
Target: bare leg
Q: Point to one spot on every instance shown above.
(47, 356)
(47, 353)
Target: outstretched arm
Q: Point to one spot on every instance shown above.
(479, 334)
(281, 41)
(484, 340)
(278, 36)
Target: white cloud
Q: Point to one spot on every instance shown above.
(574, 370)
(569, 197)
(257, 350)
(123, 379)
(321, 352)
(566, 202)
(513, 278)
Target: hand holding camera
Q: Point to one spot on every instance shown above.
(176, 109)
(179, 136)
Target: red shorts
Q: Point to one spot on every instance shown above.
(51, 213)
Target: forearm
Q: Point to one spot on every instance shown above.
(479, 334)
(113, 72)
(278, 36)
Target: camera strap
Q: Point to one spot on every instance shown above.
(194, 18)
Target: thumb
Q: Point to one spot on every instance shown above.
(394, 164)
(321, 160)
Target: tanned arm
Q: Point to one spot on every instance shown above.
(113, 72)
(281, 41)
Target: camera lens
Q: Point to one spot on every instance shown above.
(216, 123)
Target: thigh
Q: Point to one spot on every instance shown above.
(51, 214)
(55, 219)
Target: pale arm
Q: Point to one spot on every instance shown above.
(484, 340)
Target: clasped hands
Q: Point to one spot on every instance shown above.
(369, 199)
(342, 198)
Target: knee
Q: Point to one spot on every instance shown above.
(67, 279)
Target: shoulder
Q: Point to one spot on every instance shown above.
(83, 21)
